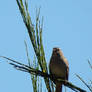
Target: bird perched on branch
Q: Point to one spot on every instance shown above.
(58, 67)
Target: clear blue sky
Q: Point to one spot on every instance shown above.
(67, 24)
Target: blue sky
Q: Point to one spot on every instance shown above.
(67, 24)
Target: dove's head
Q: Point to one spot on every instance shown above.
(57, 51)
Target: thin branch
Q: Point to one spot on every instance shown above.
(89, 64)
(25, 68)
(84, 82)
(15, 61)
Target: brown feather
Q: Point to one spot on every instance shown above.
(58, 67)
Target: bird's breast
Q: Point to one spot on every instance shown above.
(57, 68)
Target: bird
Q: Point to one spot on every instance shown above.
(58, 67)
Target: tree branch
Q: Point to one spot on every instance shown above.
(26, 68)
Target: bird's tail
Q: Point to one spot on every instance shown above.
(58, 87)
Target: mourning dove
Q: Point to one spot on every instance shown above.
(58, 67)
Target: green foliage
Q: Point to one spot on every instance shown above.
(35, 34)
(38, 68)
(36, 80)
